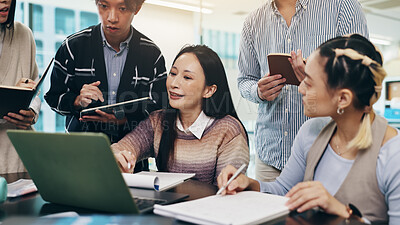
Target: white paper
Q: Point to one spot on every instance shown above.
(246, 207)
(158, 181)
(141, 181)
(20, 187)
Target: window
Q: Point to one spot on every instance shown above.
(65, 21)
(57, 45)
(60, 122)
(19, 12)
(36, 17)
(88, 19)
(39, 53)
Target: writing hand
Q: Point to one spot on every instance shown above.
(239, 184)
(126, 161)
(26, 83)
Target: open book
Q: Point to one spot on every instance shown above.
(15, 98)
(279, 64)
(247, 207)
(115, 108)
(158, 181)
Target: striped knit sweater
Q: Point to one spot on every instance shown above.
(223, 142)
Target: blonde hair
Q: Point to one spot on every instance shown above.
(363, 139)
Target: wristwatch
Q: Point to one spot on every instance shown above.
(119, 113)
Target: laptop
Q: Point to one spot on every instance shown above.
(79, 169)
(15, 98)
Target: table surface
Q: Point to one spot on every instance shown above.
(33, 206)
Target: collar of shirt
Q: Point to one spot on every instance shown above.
(122, 45)
(198, 127)
(299, 3)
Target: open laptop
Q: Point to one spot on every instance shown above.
(15, 98)
(79, 169)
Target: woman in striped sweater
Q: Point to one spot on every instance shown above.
(200, 131)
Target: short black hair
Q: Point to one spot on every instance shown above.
(131, 4)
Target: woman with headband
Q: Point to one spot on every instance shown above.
(351, 160)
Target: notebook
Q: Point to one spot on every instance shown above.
(279, 64)
(15, 98)
(247, 207)
(79, 169)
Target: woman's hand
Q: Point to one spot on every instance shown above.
(26, 83)
(307, 195)
(126, 161)
(241, 182)
(23, 120)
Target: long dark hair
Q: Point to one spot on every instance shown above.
(10, 20)
(218, 105)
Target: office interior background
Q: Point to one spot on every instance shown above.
(217, 23)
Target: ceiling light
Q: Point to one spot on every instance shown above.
(179, 6)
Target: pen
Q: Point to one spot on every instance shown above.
(231, 179)
(26, 81)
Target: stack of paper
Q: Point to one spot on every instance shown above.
(246, 207)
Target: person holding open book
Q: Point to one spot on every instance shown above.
(286, 26)
(200, 131)
(105, 64)
(17, 68)
(351, 159)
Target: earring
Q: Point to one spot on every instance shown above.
(340, 111)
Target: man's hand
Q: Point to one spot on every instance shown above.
(269, 87)
(23, 120)
(104, 118)
(89, 92)
(298, 65)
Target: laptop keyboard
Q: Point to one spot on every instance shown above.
(145, 203)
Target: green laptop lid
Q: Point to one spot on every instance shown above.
(76, 169)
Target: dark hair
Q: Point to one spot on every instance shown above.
(345, 72)
(355, 64)
(131, 4)
(10, 20)
(218, 105)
